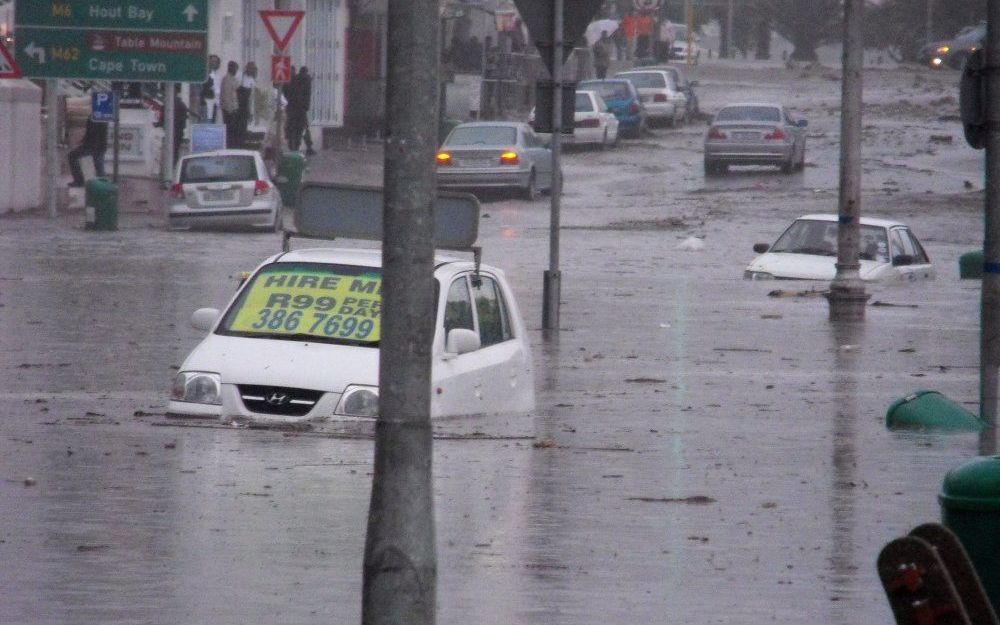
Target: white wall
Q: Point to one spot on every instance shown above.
(20, 177)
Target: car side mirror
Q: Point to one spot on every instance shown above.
(462, 341)
(204, 318)
(802, 123)
(760, 248)
(901, 260)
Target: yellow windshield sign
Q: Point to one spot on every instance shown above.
(311, 301)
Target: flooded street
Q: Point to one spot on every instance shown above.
(702, 452)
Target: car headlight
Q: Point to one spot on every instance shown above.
(358, 401)
(197, 387)
(757, 275)
(943, 50)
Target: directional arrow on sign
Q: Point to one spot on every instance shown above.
(34, 51)
(190, 12)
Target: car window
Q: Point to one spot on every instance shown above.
(482, 135)
(808, 236)
(219, 169)
(584, 104)
(494, 324)
(644, 80)
(458, 307)
(601, 104)
(610, 89)
(873, 245)
(919, 255)
(749, 114)
(896, 243)
(309, 302)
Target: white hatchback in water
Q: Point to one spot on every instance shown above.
(300, 341)
(807, 250)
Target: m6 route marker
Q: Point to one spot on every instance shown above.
(122, 40)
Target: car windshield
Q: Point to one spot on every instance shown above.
(583, 103)
(482, 135)
(231, 168)
(749, 114)
(647, 80)
(610, 90)
(313, 302)
(816, 237)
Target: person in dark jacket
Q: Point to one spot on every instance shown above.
(180, 124)
(94, 145)
(299, 95)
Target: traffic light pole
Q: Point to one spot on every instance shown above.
(989, 338)
(551, 287)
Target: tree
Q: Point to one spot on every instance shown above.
(807, 24)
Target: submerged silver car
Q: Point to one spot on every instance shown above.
(480, 155)
(225, 188)
(755, 134)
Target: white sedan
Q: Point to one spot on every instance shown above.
(300, 342)
(807, 250)
(593, 123)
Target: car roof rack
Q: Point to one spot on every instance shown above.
(340, 211)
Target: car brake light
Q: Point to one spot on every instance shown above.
(777, 135)
(589, 123)
(508, 158)
(177, 190)
(633, 108)
(261, 187)
(443, 158)
(660, 97)
(716, 134)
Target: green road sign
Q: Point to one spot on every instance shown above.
(126, 40)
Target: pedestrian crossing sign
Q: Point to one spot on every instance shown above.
(8, 67)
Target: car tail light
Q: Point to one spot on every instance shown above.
(633, 108)
(716, 134)
(777, 135)
(261, 187)
(443, 158)
(589, 123)
(177, 190)
(508, 158)
(660, 97)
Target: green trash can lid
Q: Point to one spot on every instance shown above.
(974, 485)
(907, 399)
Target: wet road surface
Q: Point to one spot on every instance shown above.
(701, 452)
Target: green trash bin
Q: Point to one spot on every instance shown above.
(929, 410)
(970, 507)
(291, 168)
(101, 202)
(970, 265)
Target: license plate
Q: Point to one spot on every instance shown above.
(746, 136)
(645, 98)
(477, 162)
(218, 196)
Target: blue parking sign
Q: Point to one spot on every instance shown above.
(102, 106)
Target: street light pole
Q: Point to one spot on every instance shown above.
(847, 295)
(552, 280)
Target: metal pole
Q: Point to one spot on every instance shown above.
(689, 21)
(400, 566)
(552, 281)
(52, 141)
(989, 341)
(929, 24)
(730, 48)
(847, 295)
(116, 94)
(169, 112)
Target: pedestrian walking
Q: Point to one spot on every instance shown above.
(643, 35)
(627, 29)
(210, 90)
(244, 99)
(94, 144)
(180, 124)
(602, 55)
(299, 94)
(230, 105)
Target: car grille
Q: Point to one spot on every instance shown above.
(279, 400)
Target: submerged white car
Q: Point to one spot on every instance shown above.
(300, 342)
(807, 250)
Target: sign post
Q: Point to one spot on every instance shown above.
(133, 41)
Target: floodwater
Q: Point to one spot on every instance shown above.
(702, 452)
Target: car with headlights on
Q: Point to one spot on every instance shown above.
(953, 52)
(755, 134)
(807, 250)
(623, 101)
(223, 189)
(299, 342)
(485, 155)
(663, 101)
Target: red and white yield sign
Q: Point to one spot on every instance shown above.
(281, 26)
(8, 67)
(281, 68)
